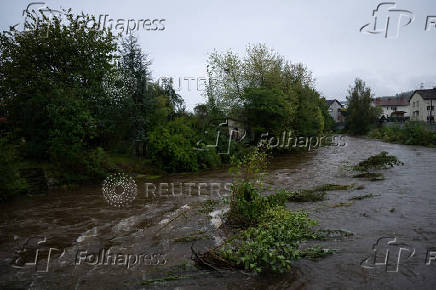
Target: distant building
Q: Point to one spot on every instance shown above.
(422, 103)
(335, 110)
(394, 106)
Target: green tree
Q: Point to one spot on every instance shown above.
(361, 114)
(329, 122)
(264, 88)
(52, 82)
(266, 110)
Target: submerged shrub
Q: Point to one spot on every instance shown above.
(273, 244)
(306, 196)
(247, 205)
(379, 161)
(272, 234)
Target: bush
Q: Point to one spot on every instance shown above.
(10, 182)
(412, 133)
(172, 148)
(247, 205)
(379, 161)
(272, 234)
(273, 244)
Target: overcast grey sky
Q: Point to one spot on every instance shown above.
(323, 34)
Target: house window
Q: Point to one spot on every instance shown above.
(430, 108)
(393, 108)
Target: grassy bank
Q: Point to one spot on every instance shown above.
(412, 133)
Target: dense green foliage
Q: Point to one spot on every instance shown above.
(272, 244)
(10, 181)
(329, 122)
(247, 205)
(269, 93)
(51, 84)
(43, 79)
(361, 114)
(412, 133)
(73, 93)
(76, 96)
(172, 147)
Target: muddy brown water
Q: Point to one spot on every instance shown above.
(154, 232)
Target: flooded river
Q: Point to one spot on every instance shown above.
(156, 233)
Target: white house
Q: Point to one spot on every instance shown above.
(422, 103)
(335, 110)
(394, 106)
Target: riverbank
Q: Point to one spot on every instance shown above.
(409, 133)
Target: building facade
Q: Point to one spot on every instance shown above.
(422, 103)
(394, 106)
(335, 110)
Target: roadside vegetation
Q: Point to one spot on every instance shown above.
(412, 133)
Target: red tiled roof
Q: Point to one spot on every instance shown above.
(392, 101)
